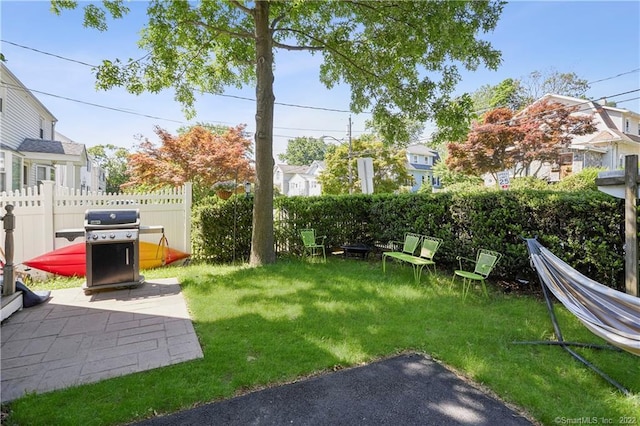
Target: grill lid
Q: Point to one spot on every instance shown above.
(100, 218)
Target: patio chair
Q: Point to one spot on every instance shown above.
(428, 249)
(485, 261)
(409, 247)
(311, 246)
(430, 246)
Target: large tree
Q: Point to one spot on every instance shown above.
(197, 156)
(399, 58)
(303, 151)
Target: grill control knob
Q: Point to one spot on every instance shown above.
(94, 236)
(112, 236)
(128, 234)
(104, 236)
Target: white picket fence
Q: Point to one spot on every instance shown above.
(39, 214)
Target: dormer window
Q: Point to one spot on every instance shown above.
(41, 128)
(415, 159)
(626, 126)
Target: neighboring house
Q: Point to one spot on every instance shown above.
(92, 176)
(420, 162)
(304, 180)
(298, 180)
(28, 152)
(617, 135)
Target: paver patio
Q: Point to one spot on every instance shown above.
(74, 338)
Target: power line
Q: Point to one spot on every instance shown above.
(147, 115)
(580, 105)
(244, 98)
(591, 82)
(49, 54)
(615, 76)
(254, 100)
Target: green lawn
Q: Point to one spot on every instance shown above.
(269, 325)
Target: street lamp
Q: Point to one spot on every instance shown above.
(349, 156)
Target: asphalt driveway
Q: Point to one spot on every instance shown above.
(405, 390)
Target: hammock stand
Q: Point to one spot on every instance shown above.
(534, 248)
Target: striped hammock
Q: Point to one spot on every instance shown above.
(608, 313)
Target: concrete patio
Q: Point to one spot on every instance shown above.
(74, 338)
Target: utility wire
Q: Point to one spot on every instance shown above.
(276, 103)
(152, 116)
(244, 98)
(48, 54)
(614, 76)
(581, 105)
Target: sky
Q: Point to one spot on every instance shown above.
(597, 40)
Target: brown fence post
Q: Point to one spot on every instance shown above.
(9, 283)
(631, 224)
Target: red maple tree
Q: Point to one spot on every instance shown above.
(489, 145)
(198, 156)
(505, 140)
(547, 130)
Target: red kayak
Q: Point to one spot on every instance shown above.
(71, 260)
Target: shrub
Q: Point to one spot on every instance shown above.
(586, 228)
(583, 180)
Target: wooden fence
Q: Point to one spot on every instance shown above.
(39, 213)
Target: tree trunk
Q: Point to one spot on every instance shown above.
(262, 240)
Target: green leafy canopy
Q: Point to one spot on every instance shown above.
(400, 60)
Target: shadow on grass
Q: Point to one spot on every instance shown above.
(274, 324)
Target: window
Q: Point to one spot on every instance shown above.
(626, 126)
(415, 159)
(44, 173)
(16, 167)
(41, 128)
(25, 175)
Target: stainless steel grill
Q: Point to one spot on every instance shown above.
(112, 248)
(112, 239)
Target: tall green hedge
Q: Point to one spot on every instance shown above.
(221, 229)
(586, 228)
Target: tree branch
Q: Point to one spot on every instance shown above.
(242, 7)
(290, 47)
(324, 46)
(221, 30)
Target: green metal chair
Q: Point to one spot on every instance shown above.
(485, 261)
(311, 246)
(428, 250)
(409, 247)
(430, 246)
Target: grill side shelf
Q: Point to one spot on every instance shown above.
(70, 234)
(152, 229)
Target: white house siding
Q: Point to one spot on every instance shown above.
(616, 117)
(315, 188)
(611, 141)
(21, 118)
(298, 185)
